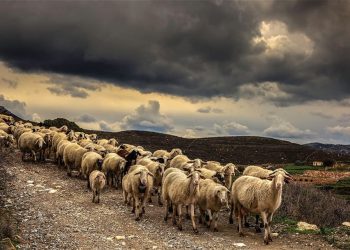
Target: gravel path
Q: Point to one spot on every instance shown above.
(56, 212)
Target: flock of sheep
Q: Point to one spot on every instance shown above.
(178, 181)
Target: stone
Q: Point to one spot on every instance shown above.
(346, 223)
(123, 243)
(120, 237)
(30, 182)
(274, 234)
(52, 191)
(302, 226)
(154, 247)
(239, 244)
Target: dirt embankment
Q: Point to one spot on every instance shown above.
(56, 212)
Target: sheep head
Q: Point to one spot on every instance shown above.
(279, 176)
(143, 179)
(222, 196)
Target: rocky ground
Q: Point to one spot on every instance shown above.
(56, 212)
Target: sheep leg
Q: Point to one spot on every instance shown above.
(160, 203)
(98, 196)
(269, 220)
(216, 221)
(174, 214)
(257, 224)
(125, 196)
(137, 207)
(266, 230)
(231, 214)
(93, 196)
(188, 216)
(133, 206)
(166, 211)
(200, 218)
(193, 219)
(210, 218)
(34, 155)
(179, 224)
(246, 223)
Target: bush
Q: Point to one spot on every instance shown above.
(308, 204)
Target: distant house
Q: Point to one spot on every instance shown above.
(317, 163)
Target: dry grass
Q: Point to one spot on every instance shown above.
(309, 204)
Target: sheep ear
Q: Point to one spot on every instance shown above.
(190, 175)
(150, 174)
(202, 176)
(198, 170)
(137, 173)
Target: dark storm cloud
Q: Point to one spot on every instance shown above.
(193, 49)
(209, 109)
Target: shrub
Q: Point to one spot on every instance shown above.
(308, 204)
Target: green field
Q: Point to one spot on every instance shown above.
(293, 169)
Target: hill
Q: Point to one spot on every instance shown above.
(237, 149)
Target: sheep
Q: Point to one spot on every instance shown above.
(5, 140)
(170, 155)
(91, 161)
(60, 149)
(184, 163)
(96, 181)
(92, 137)
(45, 153)
(97, 148)
(228, 170)
(19, 131)
(261, 173)
(180, 189)
(80, 135)
(85, 142)
(72, 157)
(113, 165)
(157, 169)
(5, 127)
(138, 184)
(28, 125)
(253, 195)
(218, 177)
(110, 148)
(212, 197)
(7, 119)
(30, 143)
(257, 171)
(111, 141)
(129, 157)
(57, 137)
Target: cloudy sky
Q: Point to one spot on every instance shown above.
(190, 68)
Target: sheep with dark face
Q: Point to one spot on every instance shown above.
(253, 195)
(96, 181)
(137, 184)
(157, 169)
(130, 158)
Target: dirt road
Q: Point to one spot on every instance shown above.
(56, 212)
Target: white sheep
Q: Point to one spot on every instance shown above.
(253, 195)
(72, 157)
(30, 143)
(138, 184)
(229, 171)
(113, 166)
(7, 118)
(212, 197)
(218, 177)
(5, 127)
(179, 189)
(184, 163)
(169, 155)
(96, 181)
(60, 149)
(5, 140)
(90, 161)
